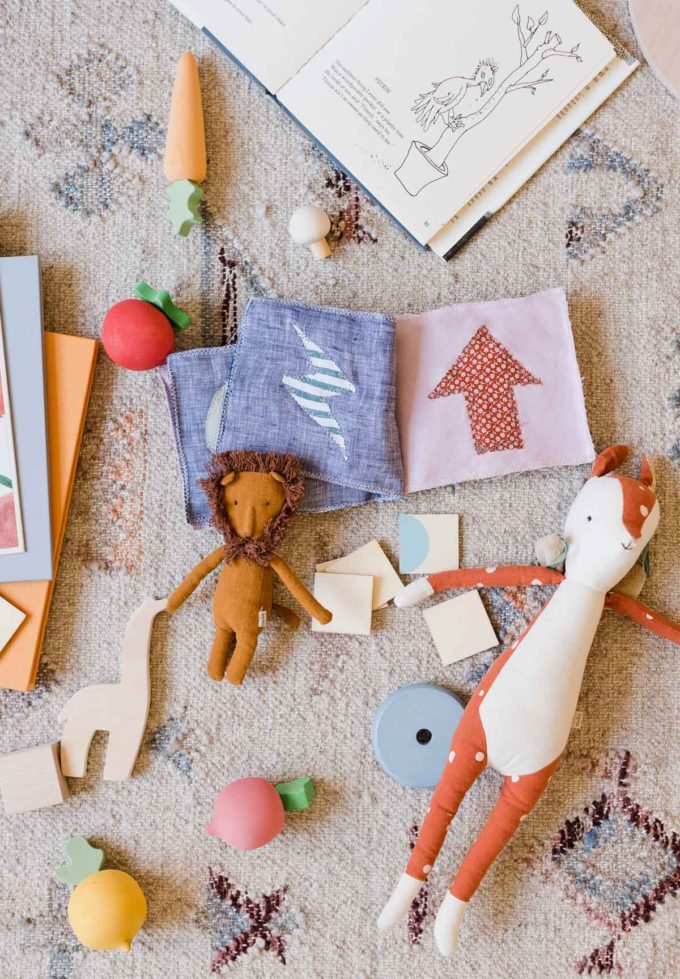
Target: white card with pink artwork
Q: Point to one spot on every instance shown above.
(11, 529)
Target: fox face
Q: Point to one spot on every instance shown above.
(610, 523)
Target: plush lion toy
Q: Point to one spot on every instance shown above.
(252, 496)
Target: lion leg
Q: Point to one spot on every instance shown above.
(219, 651)
(287, 615)
(244, 649)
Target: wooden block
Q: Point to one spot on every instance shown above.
(369, 560)
(31, 779)
(460, 627)
(428, 542)
(10, 619)
(349, 597)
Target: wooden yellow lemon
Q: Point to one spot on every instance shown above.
(107, 907)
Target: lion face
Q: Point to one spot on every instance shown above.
(252, 500)
(253, 496)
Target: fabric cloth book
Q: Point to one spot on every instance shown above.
(22, 336)
(439, 110)
(320, 383)
(69, 371)
(487, 389)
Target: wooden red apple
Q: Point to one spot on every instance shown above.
(137, 335)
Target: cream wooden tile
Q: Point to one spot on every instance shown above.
(349, 597)
(460, 627)
(428, 542)
(369, 560)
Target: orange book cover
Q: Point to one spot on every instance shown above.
(69, 371)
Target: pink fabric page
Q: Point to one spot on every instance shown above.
(486, 389)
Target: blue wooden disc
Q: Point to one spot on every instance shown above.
(412, 731)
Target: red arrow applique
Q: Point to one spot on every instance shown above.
(486, 374)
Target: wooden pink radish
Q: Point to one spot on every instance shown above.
(518, 720)
(119, 708)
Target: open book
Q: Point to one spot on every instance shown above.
(439, 110)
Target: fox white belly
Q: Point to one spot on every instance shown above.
(528, 711)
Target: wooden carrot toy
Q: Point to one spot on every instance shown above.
(518, 720)
(185, 160)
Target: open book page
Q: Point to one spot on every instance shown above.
(531, 157)
(271, 38)
(423, 103)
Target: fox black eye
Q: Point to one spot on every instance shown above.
(235, 503)
(589, 519)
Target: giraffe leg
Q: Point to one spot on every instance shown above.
(516, 801)
(75, 744)
(466, 760)
(219, 651)
(241, 657)
(122, 748)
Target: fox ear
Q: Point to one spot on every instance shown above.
(647, 476)
(228, 478)
(278, 477)
(610, 459)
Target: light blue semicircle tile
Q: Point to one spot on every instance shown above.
(414, 543)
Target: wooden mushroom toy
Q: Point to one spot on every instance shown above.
(309, 226)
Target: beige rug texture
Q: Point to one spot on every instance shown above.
(588, 885)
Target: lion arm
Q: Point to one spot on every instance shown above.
(298, 590)
(194, 578)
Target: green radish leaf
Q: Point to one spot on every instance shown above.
(83, 860)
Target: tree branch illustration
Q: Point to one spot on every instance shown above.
(531, 28)
(519, 78)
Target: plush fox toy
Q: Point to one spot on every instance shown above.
(518, 719)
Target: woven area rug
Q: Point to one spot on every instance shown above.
(588, 885)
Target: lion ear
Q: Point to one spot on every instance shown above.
(278, 477)
(228, 478)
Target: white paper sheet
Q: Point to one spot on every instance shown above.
(271, 38)
(531, 158)
(401, 95)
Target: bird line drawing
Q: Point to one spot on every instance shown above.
(446, 95)
(449, 106)
(313, 391)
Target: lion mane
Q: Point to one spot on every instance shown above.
(257, 549)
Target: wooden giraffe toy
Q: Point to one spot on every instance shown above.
(119, 708)
(519, 717)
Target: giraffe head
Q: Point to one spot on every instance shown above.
(610, 522)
